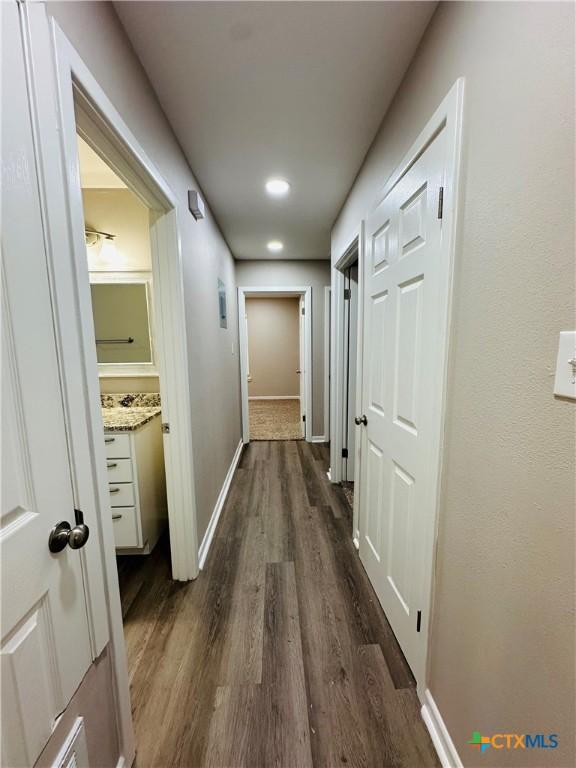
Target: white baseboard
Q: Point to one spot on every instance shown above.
(318, 439)
(207, 540)
(441, 739)
(276, 397)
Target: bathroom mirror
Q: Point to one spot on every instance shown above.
(121, 308)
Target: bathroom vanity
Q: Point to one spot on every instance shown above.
(135, 467)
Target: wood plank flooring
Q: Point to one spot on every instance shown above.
(279, 653)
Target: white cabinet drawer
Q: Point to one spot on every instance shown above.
(119, 470)
(121, 494)
(117, 446)
(125, 527)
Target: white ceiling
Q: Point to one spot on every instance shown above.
(261, 89)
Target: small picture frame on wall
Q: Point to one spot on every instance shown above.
(222, 304)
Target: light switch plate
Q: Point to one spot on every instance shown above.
(565, 381)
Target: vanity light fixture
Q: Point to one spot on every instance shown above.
(94, 236)
(277, 187)
(275, 246)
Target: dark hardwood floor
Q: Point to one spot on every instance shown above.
(279, 653)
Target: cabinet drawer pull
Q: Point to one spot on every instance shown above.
(109, 439)
(116, 517)
(114, 490)
(111, 464)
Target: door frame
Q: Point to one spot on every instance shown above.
(327, 373)
(449, 117)
(302, 364)
(245, 292)
(355, 249)
(123, 153)
(62, 84)
(85, 109)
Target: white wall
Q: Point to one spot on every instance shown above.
(502, 646)
(286, 273)
(94, 30)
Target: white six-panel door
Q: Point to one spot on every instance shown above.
(45, 649)
(403, 333)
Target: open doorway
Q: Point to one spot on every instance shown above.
(274, 367)
(275, 363)
(350, 379)
(118, 253)
(75, 105)
(345, 367)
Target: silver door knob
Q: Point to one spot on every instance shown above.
(63, 534)
(360, 420)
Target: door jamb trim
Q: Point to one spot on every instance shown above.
(352, 252)
(327, 314)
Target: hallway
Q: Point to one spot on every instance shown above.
(289, 384)
(278, 654)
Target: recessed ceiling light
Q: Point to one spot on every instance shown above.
(277, 187)
(275, 246)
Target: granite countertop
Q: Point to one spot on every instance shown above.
(128, 412)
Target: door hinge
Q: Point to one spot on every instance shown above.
(347, 293)
(418, 620)
(441, 202)
(303, 310)
(165, 428)
(304, 417)
(344, 453)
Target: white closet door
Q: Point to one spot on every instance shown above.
(402, 342)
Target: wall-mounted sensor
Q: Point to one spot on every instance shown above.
(196, 204)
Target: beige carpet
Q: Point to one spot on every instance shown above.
(275, 419)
